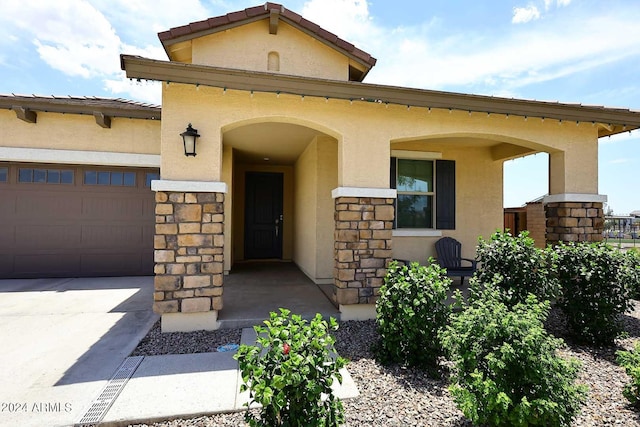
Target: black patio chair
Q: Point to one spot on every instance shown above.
(449, 252)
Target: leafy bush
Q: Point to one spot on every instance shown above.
(290, 372)
(506, 371)
(411, 310)
(630, 361)
(632, 273)
(597, 282)
(517, 267)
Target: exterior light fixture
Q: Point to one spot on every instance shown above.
(189, 137)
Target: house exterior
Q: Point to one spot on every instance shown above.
(298, 160)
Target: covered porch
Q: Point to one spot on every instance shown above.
(254, 289)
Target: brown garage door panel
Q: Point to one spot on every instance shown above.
(55, 265)
(33, 204)
(46, 236)
(54, 230)
(113, 208)
(112, 236)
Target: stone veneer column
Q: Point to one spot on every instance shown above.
(574, 221)
(362, 248)
(189, 244)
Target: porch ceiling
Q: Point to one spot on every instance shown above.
(281, 143)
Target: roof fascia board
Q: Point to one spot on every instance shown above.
(61, 107)
(188, 37)
(143, 68)
(209, 31)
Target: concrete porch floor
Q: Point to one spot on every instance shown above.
(254, 289)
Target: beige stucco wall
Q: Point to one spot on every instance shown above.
(305, 210)
(315, 176)
(247, 48)
(238, 207)
(478, 200)
(80, 132)
(366, 133)
(227, 177)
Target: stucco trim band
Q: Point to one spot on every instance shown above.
(407, 154)
(189, 186)
(416, 233)
(74, 157)
(574, 197)
(381, 193)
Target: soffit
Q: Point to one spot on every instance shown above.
(281, 143)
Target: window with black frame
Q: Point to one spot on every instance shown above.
(425, 193)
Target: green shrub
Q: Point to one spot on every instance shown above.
(289, 371)
(632, 273)
(517, 267)
(411, 310)
(630, 361)
(506, 370)
(596, 282)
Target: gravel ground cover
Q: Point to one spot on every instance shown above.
(396, 396)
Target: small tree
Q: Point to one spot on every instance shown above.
(517, 267)
(411, 310)
(507, 372)
(290, 372)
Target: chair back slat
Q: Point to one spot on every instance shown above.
(449, 252)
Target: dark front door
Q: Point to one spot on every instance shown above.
(263, 215)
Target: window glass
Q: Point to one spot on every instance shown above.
(415, 175)
(53, 176)
(66, 177)
(151, 176)
(91, 177)
(39, 175)
(415, 211)
(130, 179)
(104, 178)
(116, 178)
(4, 174)
(25, 175)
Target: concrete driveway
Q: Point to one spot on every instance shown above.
(62, 340)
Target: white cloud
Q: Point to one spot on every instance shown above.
(146, 91)
(522, 15)
(353, 23)
(619, 161)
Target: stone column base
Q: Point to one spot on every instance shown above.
(574, 222)
(362, 248)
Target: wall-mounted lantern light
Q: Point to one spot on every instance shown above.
(189, 137)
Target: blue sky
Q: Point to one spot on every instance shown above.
(577, 51)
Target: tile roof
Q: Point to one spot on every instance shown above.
(250, 14)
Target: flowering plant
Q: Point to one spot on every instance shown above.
(290, 371)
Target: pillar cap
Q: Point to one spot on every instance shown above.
(574, 197)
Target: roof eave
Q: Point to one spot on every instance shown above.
(621, 120)
(69, 106)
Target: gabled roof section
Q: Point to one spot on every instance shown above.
(274, 12)
(26, 107)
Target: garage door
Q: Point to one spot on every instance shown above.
(71, 221)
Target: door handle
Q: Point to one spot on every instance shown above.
(277, 226)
